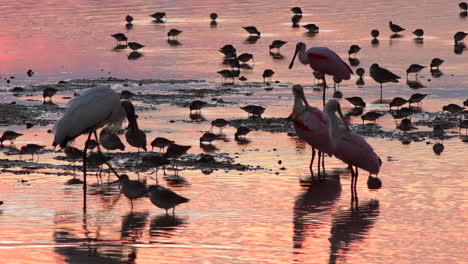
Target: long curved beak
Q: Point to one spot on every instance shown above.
(302, 95)
(294, 57)
(342, 118)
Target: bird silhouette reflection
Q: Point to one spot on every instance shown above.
(375, 42)
(277, 55)
(197, 117)
(251, 39)
(134, 55)
(414, 84)
(354, 61)
(463, 14)
(174, 42)
(128, 26)
(133, 224)
(119, 47)
(459, 48)
(165, 225)
(436, 73)
(213, 24)
(360, 82)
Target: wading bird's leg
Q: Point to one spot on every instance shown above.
(324, 88)
(380, 93)
(84, 171)
(318, 164)
(311, 164)
(105, 160)
(323, 163)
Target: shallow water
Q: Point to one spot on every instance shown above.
(261, 215)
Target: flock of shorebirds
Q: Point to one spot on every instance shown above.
(103, 107)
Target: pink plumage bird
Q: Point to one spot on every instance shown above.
(323, 60)
(311, 125)
(349, 147)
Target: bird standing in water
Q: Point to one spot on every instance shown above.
(382, 75)
(165, 198)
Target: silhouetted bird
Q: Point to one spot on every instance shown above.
(436, 62)
(129, 19)
(382, 75)
(360, 72)
(197, 105)
(254, 110)
(159, 16)
(353, 49)
(375, 33)
(48, 92)
(312, 28)
(219, 123)
(395, 28)
(397, 102)
(245, 57)
(252, 30)
(296, 10)
(110, 140)
(463, 6)
(9, 135)
(213, 16)
(416, 98)
(277, 44)
(459, 36)
(132, 189)
(165, 198)
(135, 45)
(371, 116)
(419, 33)
(120, 37)
(173, 33)
(268, 73)
(414, 68)
(31, 149)
(356, 101)
(241, 132)
(295, 20)
(161, 143)
(452, 108)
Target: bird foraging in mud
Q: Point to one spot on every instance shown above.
(254, 110)
(48, 92)
(10, 136)
(31, 149)
(219, 123)
(161, 143)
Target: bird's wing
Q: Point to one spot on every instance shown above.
(326, 61)
(312, 126)
(353, 149)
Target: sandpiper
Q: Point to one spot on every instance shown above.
(356, 101)
(242, 131)
(371, 116)
(252, 30)
(134, 136)
(161, 143)
(459, 36)
(129, 19)
(296, 10)
(277, 44)
(109, 140)
(120, 37)
(268, 73)
(353, 49)
(9, 135)
(219, 123)
(132, 189)
(48, 92)
(414, 68)
(416, 98)
(173, 33)
(397, 102)
(158, 16)
(436, 62)
(419, 33)
(395, 28)
(197, 105)
(312, 28)
(208, 137)
(245, 57)
(254, 110)
(31, 149)
(165, 198)
(213, 16)
(382, 75)
(375, 33)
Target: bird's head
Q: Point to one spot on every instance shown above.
(299, 47)
(333, 106)
(374, 66)
(124, 177)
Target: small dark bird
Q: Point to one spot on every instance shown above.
(268, 73)
(296, 10)
(165, 198)
(208, 137)
(9, 135)
(416, 98)
(174, 151)
(173, 33)
(120, 37)
(463, 6)
(277, 44)
(459, 36)
(242, 131)
(465, 103)
(452, 108)
(438, 148)
(135, 45)
(245, 57)
(371, 116)
(161, 143)
(395, 28)
(110, 140)
(353, 49)
(414, 68)
(374, 182)
(132, 189)
(92, 144)
(30, 73)
(436, 62)
(48, 92)
(125, 94)
(228, 51)
(197, 105)
(397, 102)
(213, 16)
(382, 75)
(252, 30)
(438, 131)
(312, 28)
(254, 110)
(419, 33)
(31, 149)
(356, 101)
(158, 16)
(375, 33)
(134, 136)
(402, 113)
(405, 125)
(295, 20)
(225, 74)
(129, 19)
(219, 123)
(463, 125)
(360, 72)
(155, 161)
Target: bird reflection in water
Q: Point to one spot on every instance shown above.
(119, 47)
(175, 180)
(197, 117)
(350, 226)
(276, 55)
(174, 42)
(312, 206)
(459, 48)
(133, 225)
(134, 55)
(165, 225)
(414, 84)
(354, 61)
(251, 39)
(436, 73)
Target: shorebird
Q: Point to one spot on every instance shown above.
(414, 68)
(161, 143)
(134, 136)
(438, 148)
(375, 33)
(197, 105)
(73, 154)
(322, 60)
(252, 30)
(312, 28)
(296, 10)
(129, 19)
(397, 102)
(165, 198)
(208, 137)
(155, 161)
(436, 62)
(395, 28)
(135, 46)
(382, 75)
(277, 44)
(245, 57)
(465, 103)
(158, 16)
(268, 73)
(371, 116)
(254, 110)
(174, 151)
(459, 36)
(419, 33)
(353, 49)
(10, 136)
(225, 74)
(125, 94)
(463, 6)
(295, 19)
(356, 101)
(360, 72)
(110, 141)
(463, 125)
(120, 37)
(31, 149)
(416, 98)
(438, 131)
(132, 189)
(242, 131)
(213, 16)
(228, 51)
(452, 108)
(219, 123)
(173, 33)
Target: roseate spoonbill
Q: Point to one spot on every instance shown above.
(161, 143)
(165, 198)
(459, 36)
(323, 60)
(395, 28)
(133, 189)
(9, 135)
(48, 92)
(419, 33)
(93, 109)
(414, 68)
(436, 62)
(349, 147)
(382, 75)
(311, 125)
(416, 98)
